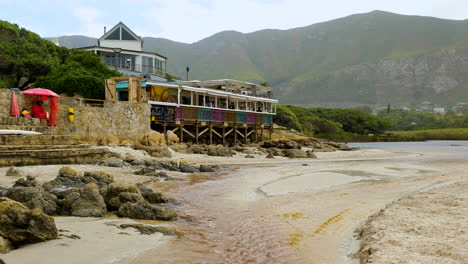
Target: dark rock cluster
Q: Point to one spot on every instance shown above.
(26, 206)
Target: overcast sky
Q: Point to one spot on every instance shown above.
(192, 20)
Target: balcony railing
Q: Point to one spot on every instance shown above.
(137, 68)
(171, 113)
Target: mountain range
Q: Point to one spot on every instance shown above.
(376, 59)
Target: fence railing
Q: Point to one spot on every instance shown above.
(182, 113)
(137, 68)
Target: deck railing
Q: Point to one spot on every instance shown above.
(170, 113)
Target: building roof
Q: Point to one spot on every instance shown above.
(118, 26)
(134, 51)
(229, 83)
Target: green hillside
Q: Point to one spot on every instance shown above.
(374, 58)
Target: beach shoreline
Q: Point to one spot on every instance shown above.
(262, 208)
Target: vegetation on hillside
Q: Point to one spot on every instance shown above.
(329, 122)
(26, 58)
(404, 120)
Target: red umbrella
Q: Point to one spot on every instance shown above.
(14, 105)
(40, 91)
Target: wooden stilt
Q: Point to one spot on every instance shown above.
(211, 134)
(196, 132)
(246, 135)
(235, 134)
(181, 133)
(165, 131)
(224, 135)
(256, 135)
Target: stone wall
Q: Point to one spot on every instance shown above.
(122, 119)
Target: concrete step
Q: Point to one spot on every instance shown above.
(46, 130)
(30, 157)
(37, 140)
(42, 147)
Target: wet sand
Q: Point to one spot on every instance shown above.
(267, 211)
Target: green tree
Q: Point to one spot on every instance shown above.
(82, 72)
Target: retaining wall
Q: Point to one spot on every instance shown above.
(122, 119)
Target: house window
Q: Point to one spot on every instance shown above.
(114, 35)
(126, 35)
(147, 64)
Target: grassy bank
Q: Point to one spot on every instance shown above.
(394, 136)
(434, 134)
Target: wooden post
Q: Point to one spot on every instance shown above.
(181, 133)
(235, 134)
(196, 132)
(256, 135)
(211, 134)
(224, 135)
(246, 127)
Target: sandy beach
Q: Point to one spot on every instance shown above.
(259, 210)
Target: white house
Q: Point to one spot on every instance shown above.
(121, 48)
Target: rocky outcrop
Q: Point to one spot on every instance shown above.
(144, 210)
(148, 230)
(87, 202)
(34, 197)
(205, 168)
(15, 172)
(20, 225)
(280, 144)
(119, 193)
(151, 196)
(114, 162)
(186, 167)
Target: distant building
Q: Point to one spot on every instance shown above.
(439, 110)
(122, 49)
(458, 106)
(426, 107)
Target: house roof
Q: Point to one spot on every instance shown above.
(133, 51)
(116, 27)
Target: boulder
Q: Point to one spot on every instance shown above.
(205, 168)
(280, 144)
(155, 151)
(270, 156)
(114, 162)
(153, 138)
(138, 162)
(311, 154)
(98, 177)
(146, 211)
(197, 149)
(295, 153)
(147, 172)
(180, 147)
(108, 140)
(5, 246)
(28, 182)
(172, 137)
(119, 193)
(163, 165)
(68, 172)
(148, 230)
(67, 181)
(249, 156)
(151, 196)
(87, 202)
(220, 151)
(34, 197)
(3, 192)
(184, 166)
(20, 225)
(15, 172)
